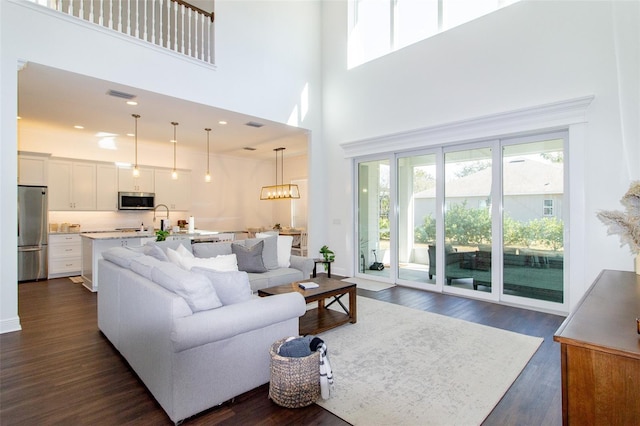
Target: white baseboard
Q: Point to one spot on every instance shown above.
(9, 325)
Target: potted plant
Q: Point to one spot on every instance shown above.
(626, 224)
(327, 255)
(161, 235)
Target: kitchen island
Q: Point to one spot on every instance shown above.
(94, 243)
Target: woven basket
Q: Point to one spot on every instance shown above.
(295, 382)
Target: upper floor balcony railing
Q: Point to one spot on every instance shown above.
(172, 24)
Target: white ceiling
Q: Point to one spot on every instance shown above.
(57, 98)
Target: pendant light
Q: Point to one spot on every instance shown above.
(207, 177)
(136, 170)
(174, 173)
(280, 191)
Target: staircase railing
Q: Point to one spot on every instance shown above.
(173, 24)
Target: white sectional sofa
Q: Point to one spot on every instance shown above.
(193, 347)
(280, 266)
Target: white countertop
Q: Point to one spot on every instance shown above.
(115, 235)
(138, 234)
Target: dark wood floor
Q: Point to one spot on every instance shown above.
(61, 370)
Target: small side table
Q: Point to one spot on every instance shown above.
(324, 262)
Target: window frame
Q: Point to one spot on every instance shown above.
(548, 210)
(357, 21)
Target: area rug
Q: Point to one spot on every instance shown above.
(403, 366)
(368, 284)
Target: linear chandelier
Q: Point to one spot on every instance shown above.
(280, 191)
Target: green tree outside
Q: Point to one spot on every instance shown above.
(464, 226)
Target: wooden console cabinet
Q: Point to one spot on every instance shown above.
(600, 354)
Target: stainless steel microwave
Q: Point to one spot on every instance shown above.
(136, 200)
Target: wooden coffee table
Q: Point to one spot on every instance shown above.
(321, 319)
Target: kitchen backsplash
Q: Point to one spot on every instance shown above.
(108, 221)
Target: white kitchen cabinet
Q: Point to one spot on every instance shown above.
(184, 238)
(128, 183)
(106, 187)
(65, 255)
(33, 169)
(72, 185)
(175, 193)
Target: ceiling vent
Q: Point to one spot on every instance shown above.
(254, 124)
(122, 95)
(249, 148)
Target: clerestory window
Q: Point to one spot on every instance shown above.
(378, 27)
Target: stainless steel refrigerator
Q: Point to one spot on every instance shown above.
(32, 232)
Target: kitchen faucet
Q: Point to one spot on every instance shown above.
(156, 208)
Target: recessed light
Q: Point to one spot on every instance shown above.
(132, 103)
(78, 127)
(222, 122)
(131, 134)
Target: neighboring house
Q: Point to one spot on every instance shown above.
(525, 199)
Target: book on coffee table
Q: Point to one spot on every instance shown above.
(308, 285)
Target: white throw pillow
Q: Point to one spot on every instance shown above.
(284, 250)
(184, 252)
(223, 263)
(174, 256)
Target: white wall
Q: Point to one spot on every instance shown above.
(528, 54)
(266, 53)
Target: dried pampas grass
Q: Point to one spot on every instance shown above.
(625, 224)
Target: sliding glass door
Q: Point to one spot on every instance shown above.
(374, 206)
(467, 219)
(483, 220)
(417, 218)
(533, 227)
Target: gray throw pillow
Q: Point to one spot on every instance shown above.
(231, 287)
(172, 244)
(155, 251)
(195, 289)
(144, 264)
(121, 256)
(269, 252)
(249, 258)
